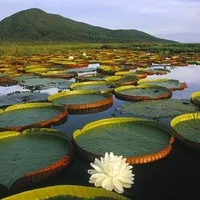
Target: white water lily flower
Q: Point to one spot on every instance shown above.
(71, 58)
(84, 54)
(111, 172)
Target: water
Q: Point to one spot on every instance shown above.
(172, 177)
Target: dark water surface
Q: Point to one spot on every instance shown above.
(175, 177)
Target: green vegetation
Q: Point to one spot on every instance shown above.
(38, 48)
(37, 25)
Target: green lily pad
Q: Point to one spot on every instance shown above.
(109, 69)
(143, 92)
(81, 99)
(22, 78)
(152, 71)
(60, 74)
(81, 70)
(171, 84)
(31, 154)
(102, 86)
(133, 138)
(117, 81)
(161, 71)
(21, 116)
(37, 70)
(158, 109)
(63, 192)
(46, 83)
(195, 98)
(22, 97)
(148, 71)
(140, 75)
(91, 77)
(187, 127)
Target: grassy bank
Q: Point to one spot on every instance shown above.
(28, 49)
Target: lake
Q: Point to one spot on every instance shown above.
(170, 178)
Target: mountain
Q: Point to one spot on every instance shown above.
(36, 25)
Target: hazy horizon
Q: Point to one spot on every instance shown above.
(177, 20)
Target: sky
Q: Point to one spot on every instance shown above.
(171, 19)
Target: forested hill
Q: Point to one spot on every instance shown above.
(36, 25)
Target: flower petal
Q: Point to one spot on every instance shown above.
(107, 181)
(92, 180)
(117, 186)
(99, 181)
(126, 185)
(97, 168)
(109, 186)
(97, 162)
(125, 179)
(99, 175)
(92, 171)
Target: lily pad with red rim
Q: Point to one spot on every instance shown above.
(139, 140)
(171, 84)
(22, 116)
(187, 128)
(82, 99)
(101, 86)
(143, 92)
(32, 156)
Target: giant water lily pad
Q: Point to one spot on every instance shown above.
(148, 71)
(109, 69)
(81, 99)
(120, 80)
(161, 71)
(132, 93)
(22, 78)
(171, 84)
(64, 192)
(140, 75)
(21, 116)
(102, 86)
(46, 83)
(60, 74)
(5, 81)
(32, 155)
(36, 69)
(137, 139)
(157, 109)
(187, 127)
(195, 98)
(91, 77)
(81, 70)
(22, 97)
(152, 71)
